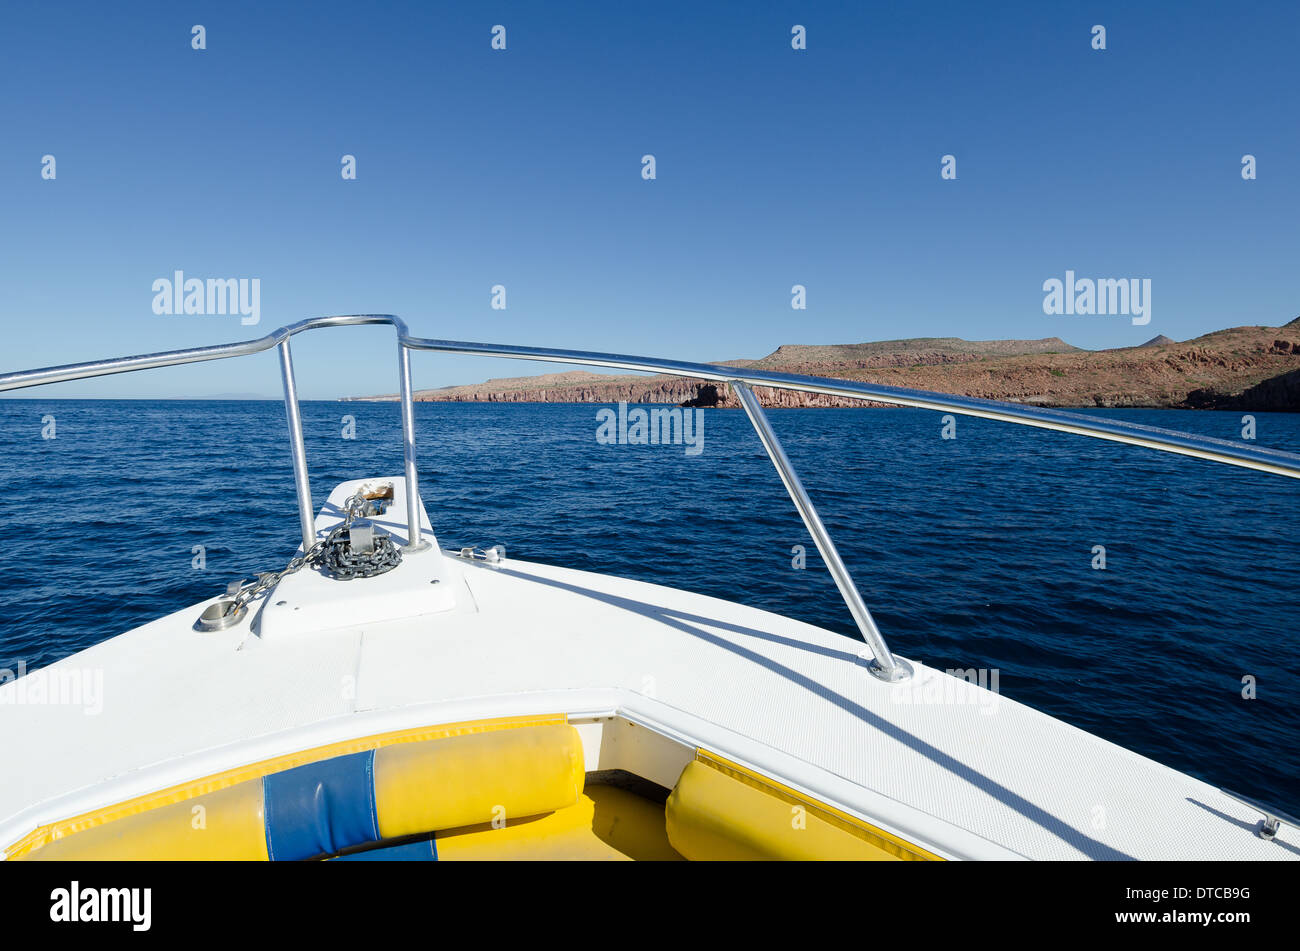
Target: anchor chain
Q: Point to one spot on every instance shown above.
(333, 555)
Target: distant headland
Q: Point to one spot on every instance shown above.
(1241, 368)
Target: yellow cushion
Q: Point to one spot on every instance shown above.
(721, 811)
(424, 786)
(465, 780)
(224, 824)
(607, 824)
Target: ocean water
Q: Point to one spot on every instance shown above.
(973, 552)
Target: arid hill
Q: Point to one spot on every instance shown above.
(1247, 368)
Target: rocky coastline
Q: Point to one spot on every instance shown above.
(1249, 368)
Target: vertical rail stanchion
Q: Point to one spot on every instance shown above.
(413, 534)
(885, 666)
(306, 509)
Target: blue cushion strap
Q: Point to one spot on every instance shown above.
(320, 808)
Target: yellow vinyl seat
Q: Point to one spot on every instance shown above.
(720, 810)
(330, 805)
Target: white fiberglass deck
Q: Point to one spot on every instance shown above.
(939, 761)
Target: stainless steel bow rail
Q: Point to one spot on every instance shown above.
(884, 664)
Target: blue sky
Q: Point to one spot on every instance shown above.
(523, 168)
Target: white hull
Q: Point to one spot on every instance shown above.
(647, 674)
